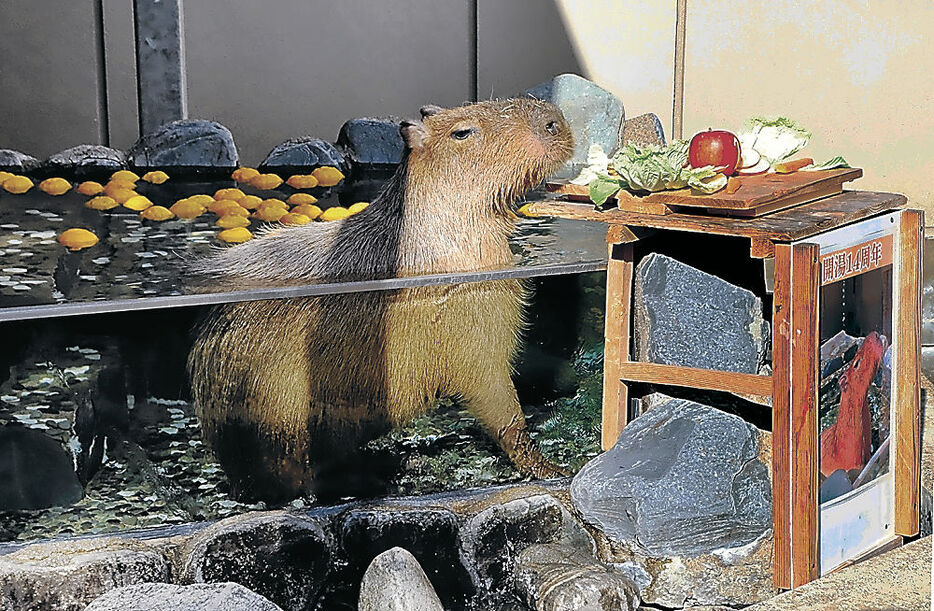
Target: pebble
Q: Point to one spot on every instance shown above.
(20, 287)
(100, 260)
(15, 270)
(9, 226)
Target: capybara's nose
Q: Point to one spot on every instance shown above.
(552, 128)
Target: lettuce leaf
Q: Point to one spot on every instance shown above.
(830, 164)
(602, 188)
(775, 139)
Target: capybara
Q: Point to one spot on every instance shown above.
(287, 389)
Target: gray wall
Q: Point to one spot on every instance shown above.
(267, 70)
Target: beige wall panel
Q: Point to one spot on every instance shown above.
(857, 74)
(273, 70)
(48, 75)
(627, 47)
(120, 55)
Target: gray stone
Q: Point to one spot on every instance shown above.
(556, 577)
(168, 597)
(281, 556)
(395, 581)
(644, 129)
(36, 471)
(159, 62)
(594, 114)
(371, 142)
(303, 155)
(492, 539)
(683, 316)
(85, 160)
(192, 145)
(682, 479)
(16, 162)
(67, 575)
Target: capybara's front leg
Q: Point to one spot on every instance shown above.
(497, 407)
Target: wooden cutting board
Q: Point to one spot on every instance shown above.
(757, 195)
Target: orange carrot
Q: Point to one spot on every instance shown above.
(733, 185)
(793, 166)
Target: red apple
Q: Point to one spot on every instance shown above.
(716, 147)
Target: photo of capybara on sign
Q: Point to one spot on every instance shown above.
(286, 390)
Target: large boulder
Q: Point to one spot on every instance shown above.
(281, 556)
(67, 575)
(683, 316)
(301, 155)
(16, 162)
(684, 494)
(168, 597)
(85, 160)
(36, 471)
(371, 142)
(594, 114)
(557, 576)
(188, 146)
(395, 581)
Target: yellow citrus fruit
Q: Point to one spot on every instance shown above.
(55, 186)
(327, 176)
(202, 198)
(229, 221)
(244, 174)
(359, 206)
(234, 194)
(120, 194)
(235, 235)
(101, 202)
(334, 214)
(124, 175)
(250, 202)
(220, 206)
(293, 218)
(89, 187)
(302, 181)
(17, 184)
(187, 208)
(137, 202)
(77, 238)
(157, 213)
(5, 175)
(309, 210)
(272, 201)
(157, 178)
(269, 213)
(297, 199)
(266, 181)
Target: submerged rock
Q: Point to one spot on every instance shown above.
(281, 556)
(395, 581)
(168, 597)
(371, 142)
(36, 471)
(302, 155)
(16, 162)
(67, 575)
(192, 145)
(556, 577)
(683, 316)
(85, 160)
(594, 114)
(685, 495)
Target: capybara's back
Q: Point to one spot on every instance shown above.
(287, 389)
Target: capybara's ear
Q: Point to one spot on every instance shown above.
(429, 109)
(413, 132)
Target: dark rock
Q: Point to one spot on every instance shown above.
(644, 129)
(16, 162)
(682, 479)
(67, 575)
(168, 597)
(85, 161)
(493, 538)
(395, 581)
(36, 471)
(302, 155)
(683, 316)
(371, 142)
(281, 556)
(428, 533)
(594, 114)
(556, 577)
(191, 145)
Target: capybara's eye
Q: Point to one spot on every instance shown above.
(461, 134)
(552, 128)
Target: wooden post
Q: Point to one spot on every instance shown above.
(781, 418)
(906, 387)
(616, 337)
(805, 441)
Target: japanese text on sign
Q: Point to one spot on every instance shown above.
(856, 260)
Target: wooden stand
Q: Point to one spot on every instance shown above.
(793, 387)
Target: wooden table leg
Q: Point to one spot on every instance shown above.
(781, 418)
(616, 338)
(906, 387)
(805, 440)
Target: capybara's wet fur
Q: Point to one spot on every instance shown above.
(287, 389)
